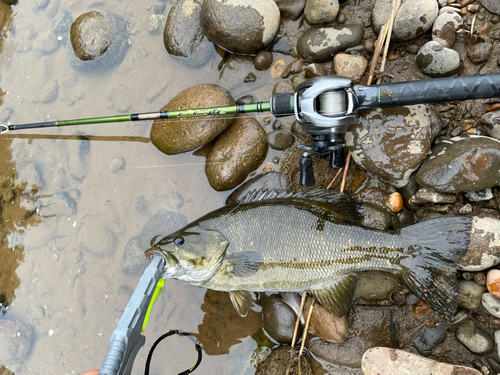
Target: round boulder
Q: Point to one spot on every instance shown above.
(238, 151)
(240, 26)
(438, 61)
(183, 36)
(393, 142)
(468, 163)
(412, 19)
(174, 136)
(98, 41)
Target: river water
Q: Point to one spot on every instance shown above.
(71, 295)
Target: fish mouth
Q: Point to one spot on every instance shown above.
(170, 270)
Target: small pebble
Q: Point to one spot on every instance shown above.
(493, 282)
(250, 78)
(480, 278)
(394, 202)
(467, 209)
(269, 167)
(275, 160)
(421, 308)
(263, 60)
(369, 45)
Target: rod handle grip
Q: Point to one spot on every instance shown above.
(282, 104)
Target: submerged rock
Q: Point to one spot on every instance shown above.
(241, 27)
(484, 246)
(183, 36)
(395, 361)
(78, 157)
(238, 151)
(467, 163)
(95, 236)
(98, 41)
(15, 341)
(393, 142)
(320, 43)
(174, 136)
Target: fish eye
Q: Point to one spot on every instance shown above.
(179, 241)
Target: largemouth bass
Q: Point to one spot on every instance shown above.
(312, 241)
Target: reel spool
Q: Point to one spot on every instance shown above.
(326, 106)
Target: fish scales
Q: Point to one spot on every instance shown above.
(304, 249)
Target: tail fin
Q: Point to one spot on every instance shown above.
(429, 271)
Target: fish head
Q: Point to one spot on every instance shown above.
(192, 254)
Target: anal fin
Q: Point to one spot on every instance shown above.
(242, 301)
(338, 296)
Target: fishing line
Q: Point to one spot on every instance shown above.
(220, 221)
(170, 333)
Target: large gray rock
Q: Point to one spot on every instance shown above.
(493, 6)
(393, 142)
(467, 163)
(321, 43)
(174, 136)
(438, 61)
(183, 36)
(412, 19)
(240, 26)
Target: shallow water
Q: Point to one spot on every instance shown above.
(71, 297)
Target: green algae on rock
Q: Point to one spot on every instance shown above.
(174, 136)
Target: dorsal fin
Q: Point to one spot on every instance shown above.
(349, 210)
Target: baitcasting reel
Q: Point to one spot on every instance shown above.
(327, 105)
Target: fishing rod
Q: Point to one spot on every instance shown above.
(326, 106)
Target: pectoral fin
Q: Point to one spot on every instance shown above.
(245, 263)
(242, 301)
(338, 297)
